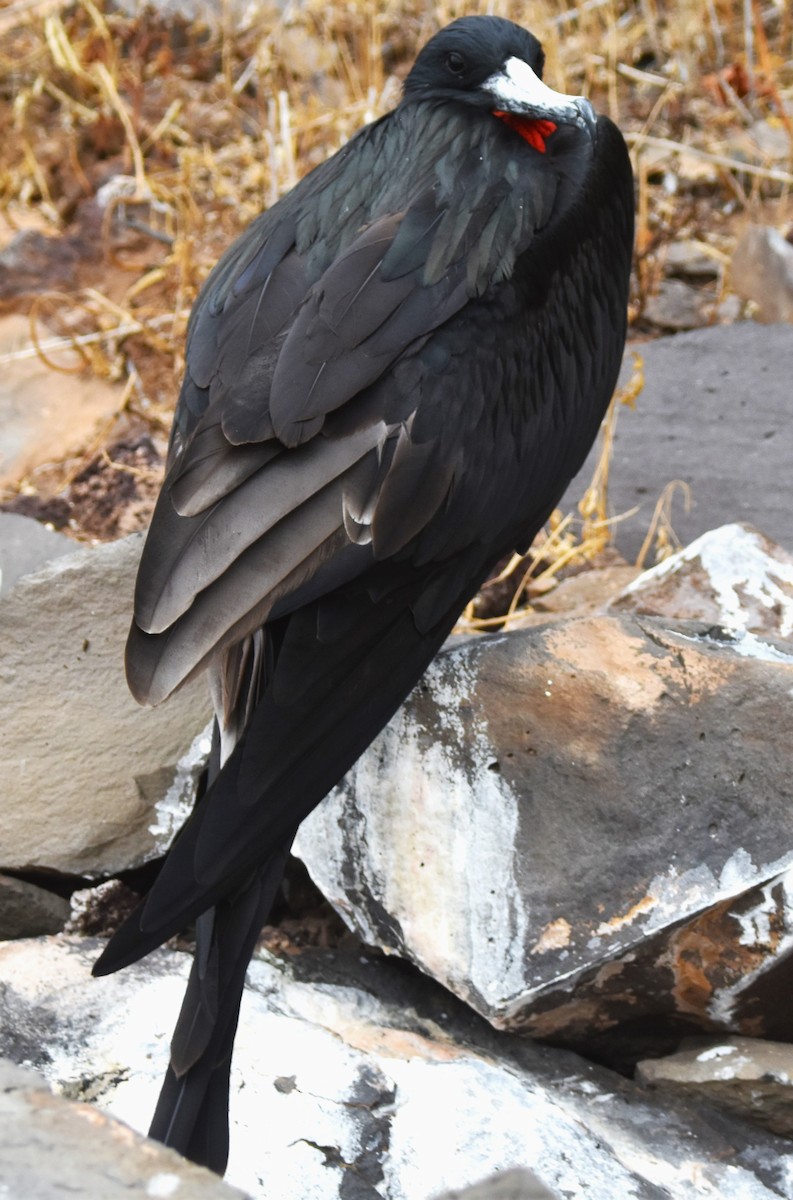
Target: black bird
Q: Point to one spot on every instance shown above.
(391, 378)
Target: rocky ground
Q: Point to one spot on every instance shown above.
(578, 827)
(565, 869)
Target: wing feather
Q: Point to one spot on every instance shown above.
(185, 556)
(354, 324)
(360, 335)
(214, 468)
(237, 602)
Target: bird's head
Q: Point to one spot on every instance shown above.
(493, 64)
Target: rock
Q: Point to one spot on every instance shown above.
(586, 592)
(687, 259)
(589, 591)
(44, 416)
(549, 802)
(91, 783)
(27, 910)
(50, 1147)
(733, 577)
(727, 968)
(752, 996)
(676, 169)
(762, 271)
(749, 1078)
(771, 138)
(714, 413)
(676, 305)
(509, 1185)
(356, 1079)
(25, 546)
(33, 263)
(728, 310)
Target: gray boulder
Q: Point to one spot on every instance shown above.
(27, 910)
(747, 1077)
(508, 1185)
(732, 576)
(91, 783)
(714, 413)
(356, 1079)
(25, 546)
(51, 1147)
(550, 807)
(677, 305)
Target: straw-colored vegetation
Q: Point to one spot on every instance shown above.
(184, 131)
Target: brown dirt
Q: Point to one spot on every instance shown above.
(192, 130)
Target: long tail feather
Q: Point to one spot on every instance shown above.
(192, 1111)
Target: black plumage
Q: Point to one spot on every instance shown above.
(391, 378)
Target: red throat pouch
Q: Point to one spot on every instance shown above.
(533, 130)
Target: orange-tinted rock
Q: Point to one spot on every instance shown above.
(559, 819)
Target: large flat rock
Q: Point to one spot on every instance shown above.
(715, 413)
(359, 1080)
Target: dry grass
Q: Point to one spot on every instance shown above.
(186, 131)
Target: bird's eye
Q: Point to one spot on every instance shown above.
(455, 62)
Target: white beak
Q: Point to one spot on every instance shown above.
(517, 89)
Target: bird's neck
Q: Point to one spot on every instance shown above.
(533, 130)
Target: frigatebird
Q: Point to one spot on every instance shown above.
(391, 377)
